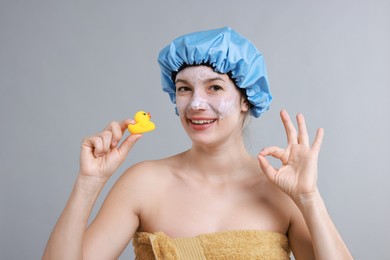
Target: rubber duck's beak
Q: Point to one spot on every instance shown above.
(149, 115)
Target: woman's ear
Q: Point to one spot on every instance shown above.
(244, 105)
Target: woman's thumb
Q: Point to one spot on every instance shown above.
(127, 144)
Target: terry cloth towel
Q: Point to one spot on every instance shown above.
(241, 244)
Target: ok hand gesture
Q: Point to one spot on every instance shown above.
(298, 173)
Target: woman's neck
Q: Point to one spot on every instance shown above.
(219, 163)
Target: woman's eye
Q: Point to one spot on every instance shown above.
(183, 89)
(216, 88)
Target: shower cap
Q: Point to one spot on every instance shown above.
(227, 52)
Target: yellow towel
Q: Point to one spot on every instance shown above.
(240, 244)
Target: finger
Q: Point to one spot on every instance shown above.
(106, 137)
(303, 137)
(127, 144)
(117, 129)
(318, 140)
(132, 122)
(125, 123)
(266, 167)
(274, 151)
(93, 145)
(291, 132)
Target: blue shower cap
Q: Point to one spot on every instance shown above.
(227, 52)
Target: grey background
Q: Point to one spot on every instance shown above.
(67, 68)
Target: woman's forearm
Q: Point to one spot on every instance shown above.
(326, 240)
(66, 240)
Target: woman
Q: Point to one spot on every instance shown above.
(214, 201)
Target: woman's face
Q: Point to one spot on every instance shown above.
(206, 99)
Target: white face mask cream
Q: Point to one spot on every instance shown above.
(200, 88)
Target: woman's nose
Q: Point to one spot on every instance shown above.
(198, 102)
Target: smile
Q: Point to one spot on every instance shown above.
(203, 122)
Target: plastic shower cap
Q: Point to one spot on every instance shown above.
(227, 52)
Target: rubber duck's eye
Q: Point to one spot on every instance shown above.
(144, 114)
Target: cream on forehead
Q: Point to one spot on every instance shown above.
(222, 104)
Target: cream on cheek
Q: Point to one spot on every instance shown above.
(220, 106)
(227, 107)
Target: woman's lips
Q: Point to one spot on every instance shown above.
(201, 123)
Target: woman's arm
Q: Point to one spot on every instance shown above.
(298, 178)
(100, 157)
(66, 240)
(326, 240)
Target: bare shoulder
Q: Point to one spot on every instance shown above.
(147, 177)
(149, 171)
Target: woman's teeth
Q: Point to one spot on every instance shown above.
(202, 122)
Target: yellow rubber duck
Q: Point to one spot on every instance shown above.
(142, 123)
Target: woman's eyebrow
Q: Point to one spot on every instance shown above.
(181, 80)
(206, 80)
(214, 79)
